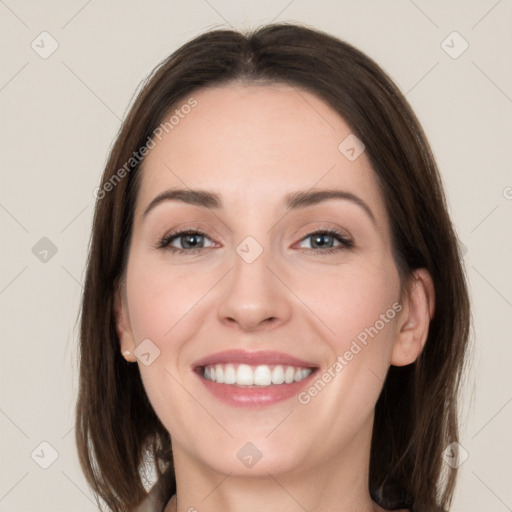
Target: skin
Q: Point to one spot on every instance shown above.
(253, 145)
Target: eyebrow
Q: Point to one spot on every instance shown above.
(292, 201)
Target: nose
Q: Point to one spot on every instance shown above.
(254, 296)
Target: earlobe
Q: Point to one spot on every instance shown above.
(123, 327)
(414, 321)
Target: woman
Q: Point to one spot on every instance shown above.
(272, 256)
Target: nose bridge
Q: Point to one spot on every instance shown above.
(253, 295)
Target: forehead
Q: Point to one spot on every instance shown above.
(254, 143)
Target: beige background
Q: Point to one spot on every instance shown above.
(60, 114)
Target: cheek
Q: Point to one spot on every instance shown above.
(163, 307)
(358, 305)
(353, 302)
(160, 298)
(361, 313)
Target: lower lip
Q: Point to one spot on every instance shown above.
(254, 396)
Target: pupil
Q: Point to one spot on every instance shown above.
(191, 237)
(320, 240)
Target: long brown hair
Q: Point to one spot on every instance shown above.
(117, 431)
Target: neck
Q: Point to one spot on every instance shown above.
(336, 484)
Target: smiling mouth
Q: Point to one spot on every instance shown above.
(244, 375)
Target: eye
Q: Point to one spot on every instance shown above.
(325, 239)
(191, 241)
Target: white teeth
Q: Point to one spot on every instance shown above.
(261, 375)
(244, 375)
(219, 374)
(278, 375)
(229, 374)
(289, 374)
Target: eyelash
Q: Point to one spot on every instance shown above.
(164, 243)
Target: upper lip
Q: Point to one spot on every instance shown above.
(266, 357)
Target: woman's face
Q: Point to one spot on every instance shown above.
(263, 293)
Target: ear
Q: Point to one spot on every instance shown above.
(123, 327)
(414, 320)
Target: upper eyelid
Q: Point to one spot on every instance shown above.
(336, 232)
(200, 227)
